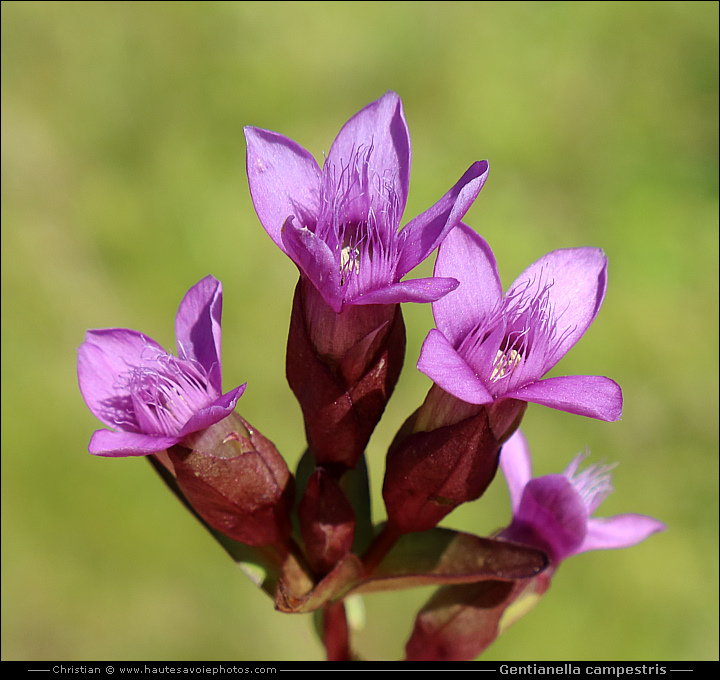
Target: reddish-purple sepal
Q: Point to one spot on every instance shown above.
(460, 621)
(237, 482)
(342, 369)
(327, 522)
(445, 454)
(429, 473)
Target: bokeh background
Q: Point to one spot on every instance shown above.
(123, 183)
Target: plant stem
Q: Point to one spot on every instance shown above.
(336, 633)
(379, 548)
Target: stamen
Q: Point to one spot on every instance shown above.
(517, 338)
(593, 484)
(349, 262)
(166, 392)
(505, 364)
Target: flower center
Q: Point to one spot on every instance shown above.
(514, 342)
(359, 221)
(505, 363)
(166, 392)
(350, 262)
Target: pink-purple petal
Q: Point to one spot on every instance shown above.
(621, 531)
(222, 407)
(444, 366)
(380, 126)
(197, 328)
(556, 513)
(284, 180)
(118, 444)
(414, 290)
(425, 232)
(465, 256)
(577, 280)
(516, 465)
(104, 356)
(586, 395)
(316, 261)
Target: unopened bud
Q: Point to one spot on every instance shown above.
(342, 368)
(327, 522)
(445, 454)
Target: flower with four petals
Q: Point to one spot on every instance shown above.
(340, 223)
(553, 513)
(152, 399)
(488, 346)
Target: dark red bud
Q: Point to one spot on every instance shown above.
(342, 369)
(327, 522)
(428, 474)
(459, 622)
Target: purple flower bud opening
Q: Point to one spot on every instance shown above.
(554, 512)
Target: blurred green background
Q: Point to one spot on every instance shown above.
(123, 183)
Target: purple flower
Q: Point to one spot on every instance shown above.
(488, 346)
(339, 224)
(553, 512)
(152, 399)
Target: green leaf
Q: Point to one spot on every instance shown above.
(443, 556)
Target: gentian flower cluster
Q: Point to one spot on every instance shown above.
(340, 224)
(307, 537)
